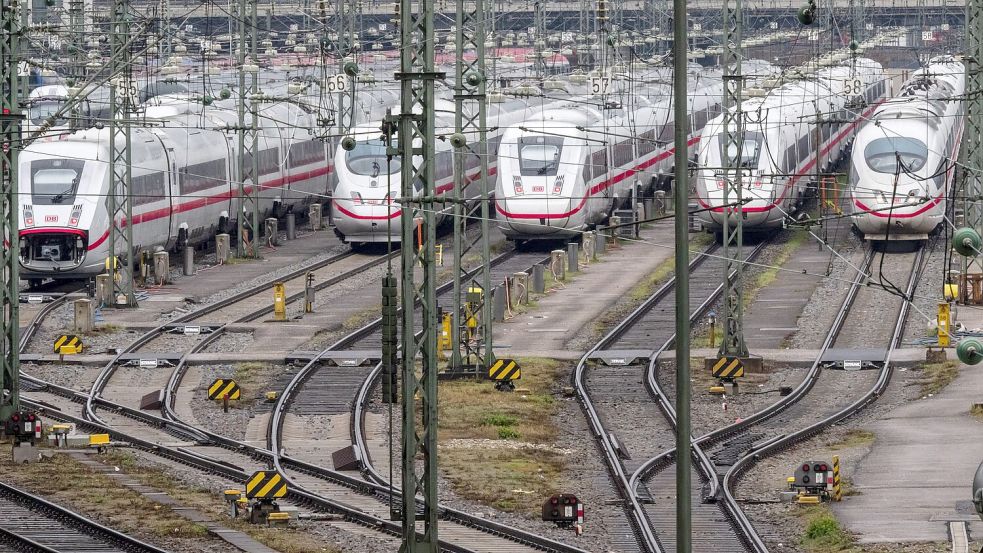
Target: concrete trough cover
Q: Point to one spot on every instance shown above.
(621, 357)
(853, 358)
(353, 358)
(152, 401)
(345, 459)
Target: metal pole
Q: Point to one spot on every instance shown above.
(684, 536)
(121, 104)
(733, 228)
(971, 154)
(248, 133)
(417, 150)
(11, 91)
(470, 123)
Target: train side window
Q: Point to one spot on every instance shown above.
(788, 164)
(149, 188)
(803, 147)
(201, 176)
(306, 153)
(444, 167)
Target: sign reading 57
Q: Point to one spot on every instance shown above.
(599, 85)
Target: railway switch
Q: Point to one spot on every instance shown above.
(564, 510)
(279, 301)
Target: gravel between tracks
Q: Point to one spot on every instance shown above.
(253, 378)
(266, 278)
(344, 540)
(766, 479)
(600, 502)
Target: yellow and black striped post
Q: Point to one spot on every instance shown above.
(266, 484)
(837, 492)
(223, 388)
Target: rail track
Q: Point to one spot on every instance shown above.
(314, 390)
(780, 442)
(739, 445)
(615, 411)
(32, 524)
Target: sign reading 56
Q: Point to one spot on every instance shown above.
(336, 83)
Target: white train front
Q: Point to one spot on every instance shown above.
(184, 183)
(570, 166)
(904, 157)
(783, 142)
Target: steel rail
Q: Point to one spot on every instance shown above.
(662, 461)
(637, 514)
(378, 485)
(72, 520)
(783, 442)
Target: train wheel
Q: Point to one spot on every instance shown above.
(34, 283)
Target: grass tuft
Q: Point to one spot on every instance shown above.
(514, 479)
(852, 438)
(823, 533)
(936, 376)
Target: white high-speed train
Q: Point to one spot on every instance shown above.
(184, 182)
(362, 207)
(904, 156)
(567, 168)
(782, 142)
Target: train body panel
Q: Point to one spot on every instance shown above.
(904, 158)
(782, 143)
(183, 182)
(600, 153)
(363, 207)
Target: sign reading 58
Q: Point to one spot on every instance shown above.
(853, 86)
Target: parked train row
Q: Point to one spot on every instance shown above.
(557, 166)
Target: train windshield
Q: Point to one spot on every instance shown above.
(750, 150)
(894, 154)
(37, 112)
(54, 181)
(539, 155)
(369, 159)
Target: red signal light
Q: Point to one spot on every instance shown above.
(823, 468)
(805, 468)
(554, 500)
(15, 417)
(31, 417)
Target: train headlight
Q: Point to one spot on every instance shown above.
(356, 198)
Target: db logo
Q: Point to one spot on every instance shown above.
(50, 218)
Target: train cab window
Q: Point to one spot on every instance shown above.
(893, 154)
(539, 155)
(369, 159)
(55, 181)
(41, 110)
(750, 149)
